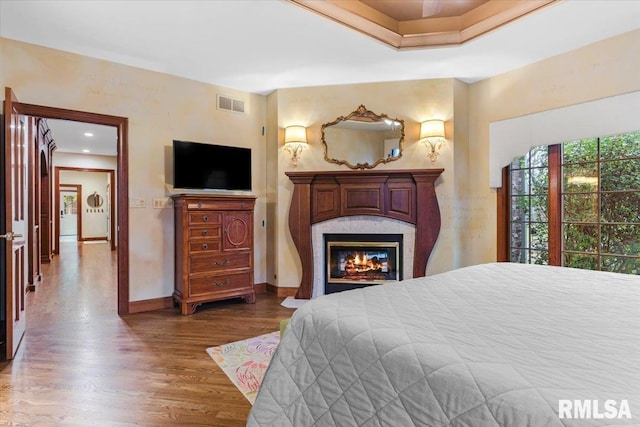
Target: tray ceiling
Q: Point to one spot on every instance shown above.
(424, 23)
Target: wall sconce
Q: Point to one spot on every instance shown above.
(295, 140)
(432, 135)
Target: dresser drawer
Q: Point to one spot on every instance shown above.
(204, 218)
(209, 232)
(204, 246)
(222, 262)
(227, 205)
(220, 283)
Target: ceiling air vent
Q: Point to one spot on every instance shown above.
(230, 104)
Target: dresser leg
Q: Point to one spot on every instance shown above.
(186, 308)
(249, 298)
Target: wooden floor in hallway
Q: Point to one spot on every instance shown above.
(80, 364)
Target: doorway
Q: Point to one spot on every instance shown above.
(121, 183)
(70, 204)
(98, 207)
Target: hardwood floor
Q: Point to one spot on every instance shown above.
(80, 364)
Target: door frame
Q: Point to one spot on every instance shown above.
(122, 182)
(68, 188)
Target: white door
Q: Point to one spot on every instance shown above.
(68, 213)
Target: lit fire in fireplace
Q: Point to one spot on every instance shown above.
(364, 265)
(360, 263)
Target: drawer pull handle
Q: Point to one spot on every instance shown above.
(205, 232)
(205, 246)
(199, 205)
(205, 218)
(221, 284)
(221, 264)
(243, 205)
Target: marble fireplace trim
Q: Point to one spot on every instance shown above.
(359, 224)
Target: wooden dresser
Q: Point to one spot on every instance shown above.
(214, 249)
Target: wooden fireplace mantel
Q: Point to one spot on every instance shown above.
(405, 195)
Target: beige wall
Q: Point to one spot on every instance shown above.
(462, 211)
(412, 101)
(610, 67)
(272, 186)
(91, 161)
(160, 108)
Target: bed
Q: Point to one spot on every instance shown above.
(496, 344)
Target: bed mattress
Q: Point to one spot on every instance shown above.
(490, 345)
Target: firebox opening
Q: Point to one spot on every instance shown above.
(359, 260)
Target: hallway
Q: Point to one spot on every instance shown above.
(80, 364)
(80, 283)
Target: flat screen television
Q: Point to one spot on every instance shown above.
(201, 166)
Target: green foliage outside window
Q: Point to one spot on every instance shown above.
(529, 207)
(600, 204)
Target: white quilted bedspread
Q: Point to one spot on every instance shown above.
(489, 345)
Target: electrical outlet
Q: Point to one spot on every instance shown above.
(137, 203)
(163, 203)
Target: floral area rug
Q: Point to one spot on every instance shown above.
(246, 361)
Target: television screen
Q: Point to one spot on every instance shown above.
(211, 167)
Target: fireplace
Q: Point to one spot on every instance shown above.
(358, 260)
(404, 195)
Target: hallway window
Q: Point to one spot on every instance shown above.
(70, 204)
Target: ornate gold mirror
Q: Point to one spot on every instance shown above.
(363, 139)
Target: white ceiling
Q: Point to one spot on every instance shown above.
(262, 45)
(70, 137)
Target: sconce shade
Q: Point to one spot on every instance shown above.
(432, 136)
(295, 140)
(295, 134)
(432, 129)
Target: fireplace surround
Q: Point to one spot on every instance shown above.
(404, 195)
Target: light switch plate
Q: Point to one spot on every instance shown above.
(137, 203)
(163, 203)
